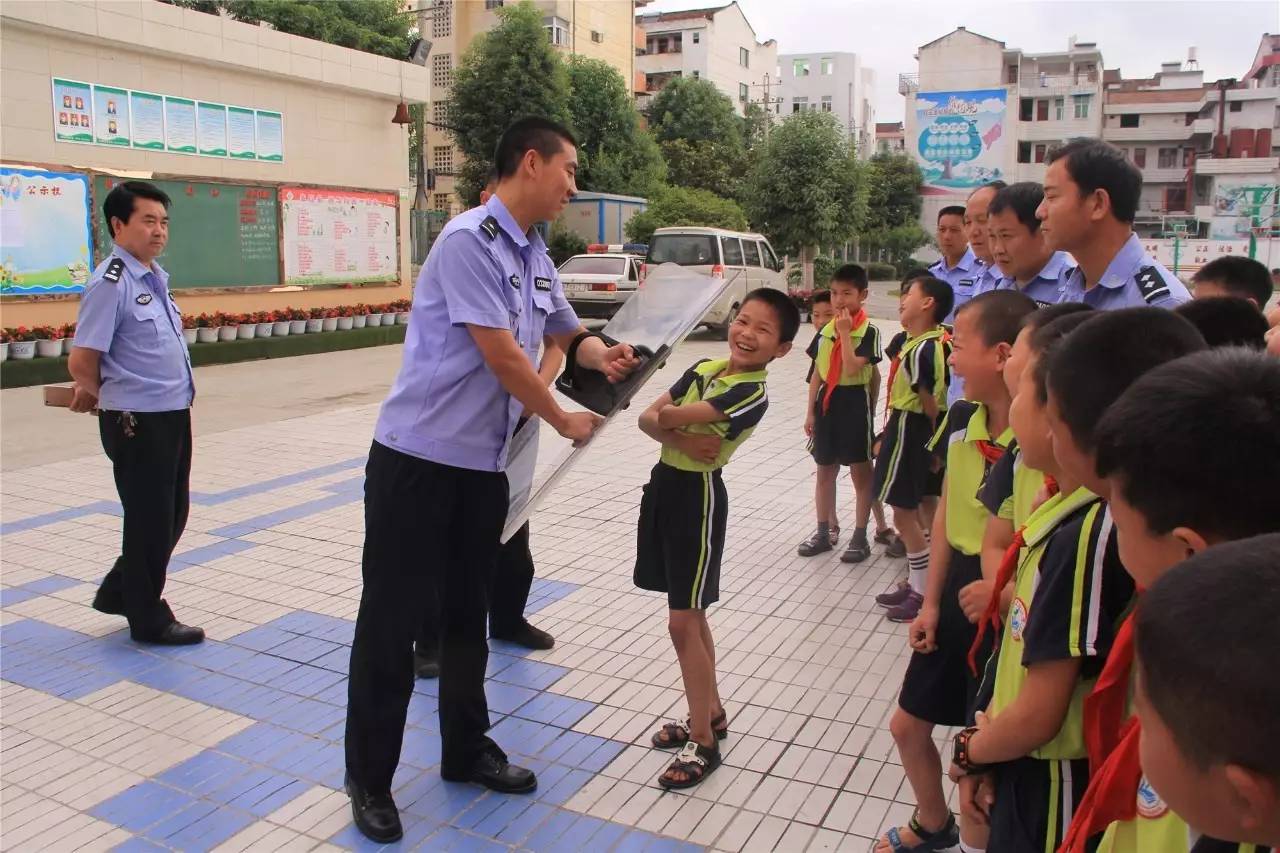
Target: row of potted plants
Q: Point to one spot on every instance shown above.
(50, 341)
(44, 341)
(207, 328)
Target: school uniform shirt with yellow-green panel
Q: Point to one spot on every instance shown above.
(1012, 488)
(1156, 829)
(1070, 593)
(962, 427)
(865, 341)
(741, 397)
(922, 366)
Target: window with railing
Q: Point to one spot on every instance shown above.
(1167, 158)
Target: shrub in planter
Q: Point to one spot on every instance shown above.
(877, 271)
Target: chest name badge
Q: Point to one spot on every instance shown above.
(543, 284)
(514, 281)
(144, 299)
(1017, 618)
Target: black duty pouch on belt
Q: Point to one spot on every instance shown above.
(592, 389)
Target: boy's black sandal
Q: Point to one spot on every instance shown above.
(695, 761)
(675, 734)
(944, 839)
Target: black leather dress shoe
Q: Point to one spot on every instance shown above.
(497, 774)
(375, 814)
(529, 637)
(175, 634)
(426, 667)
(108, 604)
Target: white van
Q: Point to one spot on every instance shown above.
(718, 252)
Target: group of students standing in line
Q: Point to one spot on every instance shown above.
(1083, 483)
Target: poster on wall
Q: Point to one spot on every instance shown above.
(240, 133)
(72, 108)
(147, 114)
(270, 136)
(339, 236)
(179, 125)
(960, 139)
(111, 116)
(211, 129)
(45, 244)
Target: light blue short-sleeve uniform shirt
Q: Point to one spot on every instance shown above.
(989, 278)
(128, 314)
(963, 278)
(1133, 279)
(446, 406)
(1048, 285)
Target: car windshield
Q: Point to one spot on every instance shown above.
(594, 265)
(687, 250)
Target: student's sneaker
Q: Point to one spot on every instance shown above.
(896, 548)
(859, 549)
(884, 535)
(895, 596)
(908, 610)
(815, 544)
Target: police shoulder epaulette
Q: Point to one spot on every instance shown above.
(1150, 284)
(113, 270)
(490, 227)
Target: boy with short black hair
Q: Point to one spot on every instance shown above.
(841, 411)
(820, 314)
(1094, 366)
(1069, 590)
(1222, 408)
(904, 470)
(700, 422)
(1232, 275)
(1227, 321)
(937, 689)
(1213, 751)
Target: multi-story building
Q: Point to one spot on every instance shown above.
(716, 44)
(1047, 98)
(600, 29)
(1206, 150)
(832, 82)
(890, 138)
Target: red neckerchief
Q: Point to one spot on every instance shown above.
(836, 363)
(1104, 707)
(1008, 565)
(990, 452)
(1112, 794)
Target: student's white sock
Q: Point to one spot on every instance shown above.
(917, 568)
(969, 848)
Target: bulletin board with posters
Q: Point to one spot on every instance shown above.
(335, 236)
(46, 243)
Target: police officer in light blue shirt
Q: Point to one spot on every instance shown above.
(435, 491)
(1090, 200)
(982, 275)
(1033, 268)
(958, 265)
(130, 363)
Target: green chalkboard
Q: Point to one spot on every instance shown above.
(220, 235)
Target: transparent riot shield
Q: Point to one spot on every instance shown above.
(660, 314)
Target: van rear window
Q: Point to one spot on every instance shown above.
(687, 250)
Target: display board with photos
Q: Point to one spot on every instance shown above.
(94, 114)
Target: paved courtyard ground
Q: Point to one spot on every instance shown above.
(236, 744)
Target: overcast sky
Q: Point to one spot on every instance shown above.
(1133, 35)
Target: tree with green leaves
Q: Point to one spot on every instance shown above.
(509, 72)
(892, 229)
(685, 206)
(615, 155)
(700, 136)
(373, 26)
(808, 188)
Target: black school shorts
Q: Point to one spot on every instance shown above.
(903, 476)
(939, 687)
(680, 540)
(842, 434)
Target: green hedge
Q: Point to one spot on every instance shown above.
(44, 371)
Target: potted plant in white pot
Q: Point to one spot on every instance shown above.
(346, 318)
(248, 328)
(68, 337)
(360, 316)
(22, 344)
(206, 329)
(263, 324)
(228, 326)
(48, 341)
(189, 328)
(330, 320)
(315, 320)
(297, 321)
(282, 322)
(402, 307)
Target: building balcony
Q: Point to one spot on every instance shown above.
(1056, 131)
(1203, 125)
(1171, 175)
(1159, 133)
(1030, 85)
(1263, 167)
(908, 84)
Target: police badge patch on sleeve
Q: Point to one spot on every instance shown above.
(1150, 284)
(143, 299)
(113, 270)
(514, 281)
